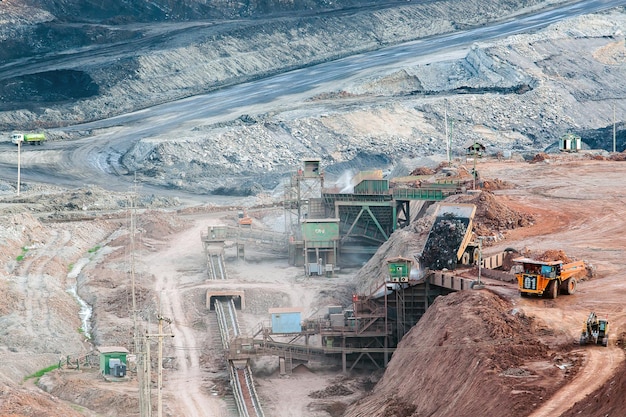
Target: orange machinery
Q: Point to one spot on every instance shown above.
(548, 277)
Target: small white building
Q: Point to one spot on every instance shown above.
(570, 143)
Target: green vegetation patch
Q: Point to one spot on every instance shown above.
(94, 249)
(41, 373)
(23, 254)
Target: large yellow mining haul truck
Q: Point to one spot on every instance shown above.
(548, 277)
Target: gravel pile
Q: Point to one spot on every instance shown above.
(504, 95)
(210, 56)
(516, 95)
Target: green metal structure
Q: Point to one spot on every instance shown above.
(399, 269)
(111, 355)
(368, 217)
(365, 217)
(320, 244)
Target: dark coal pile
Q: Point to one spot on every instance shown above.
(443, 242)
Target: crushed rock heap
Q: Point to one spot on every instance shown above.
(441, 248)
(493, 216)
(470, 351)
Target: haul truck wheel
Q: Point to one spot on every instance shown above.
(570, 286)
(475, 256)
(465, 259)
(553, 290)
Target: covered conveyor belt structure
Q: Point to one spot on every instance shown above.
(225, 304)
(215, 238)
(366, 334)
(245, 394)
(369, 215)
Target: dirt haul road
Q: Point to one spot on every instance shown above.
(578, 207)
(171, 268)
(577, 204)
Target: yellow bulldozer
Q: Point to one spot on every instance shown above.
(595, 331)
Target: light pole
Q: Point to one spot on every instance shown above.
(474, 171)
(19, 165)
(480, 257)
(445, 121)
(475, 152)
(478, 285)
(613, 128)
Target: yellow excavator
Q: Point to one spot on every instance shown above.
(595, 331)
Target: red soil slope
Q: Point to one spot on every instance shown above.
(472, 354)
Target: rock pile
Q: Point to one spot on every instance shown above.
(554, 255)
(472, 336)
(332, 391)
(440, 251)
(493, 217)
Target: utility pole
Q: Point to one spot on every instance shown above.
(613, 128)
(147, 378)
(160, 366)
(474, 182)
(475, 154)
(142, 356)
(19, 166)
(445, 121)
(160, 335)
(480, 257)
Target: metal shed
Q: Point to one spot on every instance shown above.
(286, 320)
(113, 360)
(570, 143)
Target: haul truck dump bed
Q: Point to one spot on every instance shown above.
(450, 241)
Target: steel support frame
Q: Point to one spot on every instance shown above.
(298, 194)
(402, 214)
(371, 342)
(329, 250)
(365, 208)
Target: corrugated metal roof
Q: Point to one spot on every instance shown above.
(112, 349)
(284, 310)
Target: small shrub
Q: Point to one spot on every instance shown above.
(21, 256)
(41, 373)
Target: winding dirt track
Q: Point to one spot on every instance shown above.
(578, 208)
(600, 364)
(184, 384)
